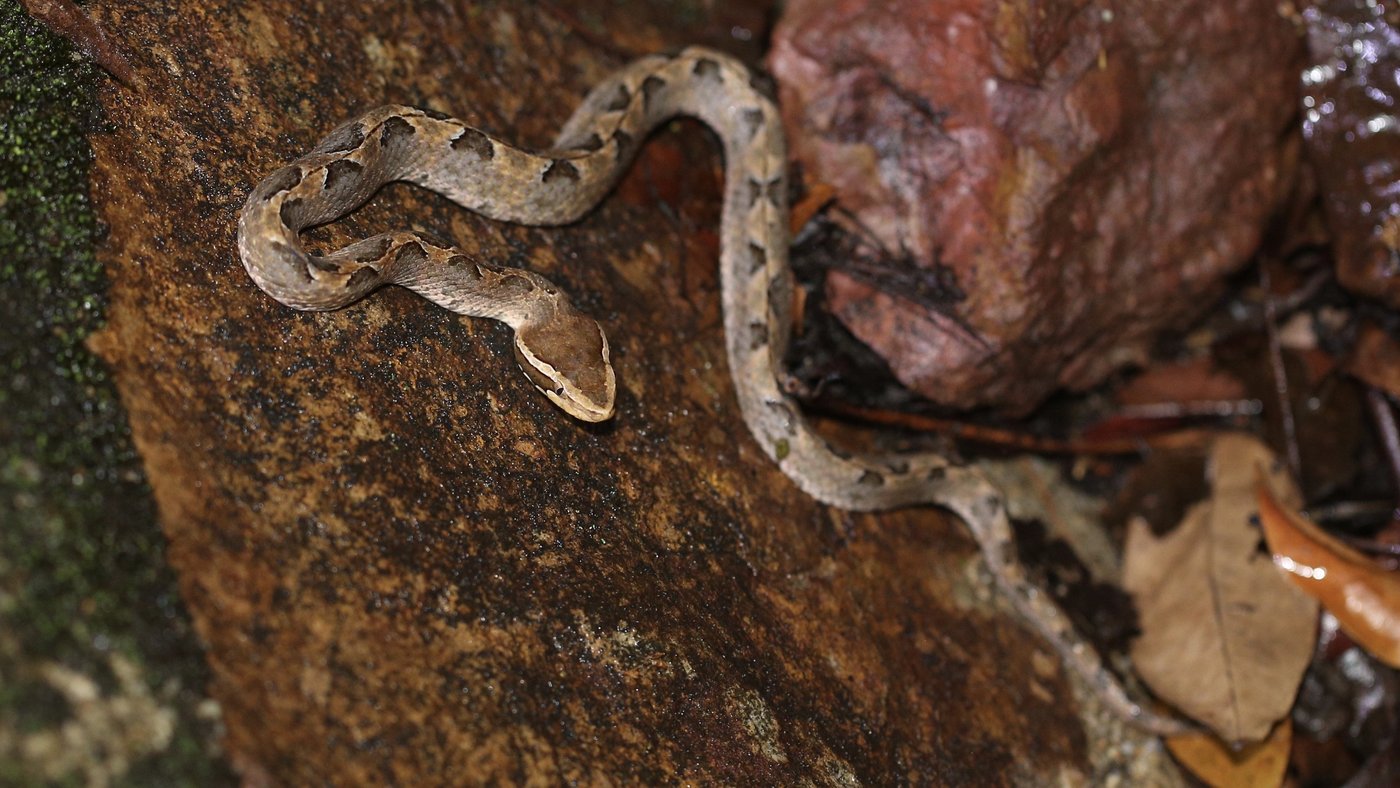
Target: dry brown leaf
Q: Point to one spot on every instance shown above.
(1225, 638)
(1364, 597)
(1259, 765)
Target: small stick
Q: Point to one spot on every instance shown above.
(67, 20)
(1018, 440)
(1389, 433)
(1285, 403)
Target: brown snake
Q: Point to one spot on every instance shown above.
(564, 353)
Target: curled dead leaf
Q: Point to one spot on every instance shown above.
(1259, 765)
(1364, 597)
(1224, 638)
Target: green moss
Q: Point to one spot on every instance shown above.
(82, 571)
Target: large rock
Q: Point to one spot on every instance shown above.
(1087, 173)
(409, 567)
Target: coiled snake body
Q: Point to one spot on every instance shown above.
(564, 353)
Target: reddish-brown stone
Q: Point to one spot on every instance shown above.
(1087, 172)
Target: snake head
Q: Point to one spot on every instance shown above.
(566, 357)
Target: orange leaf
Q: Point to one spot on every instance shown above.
(1260, 764)
(1364, 598)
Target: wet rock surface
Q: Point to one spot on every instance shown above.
(408, 566)
(1084, 174)
(1349, 93)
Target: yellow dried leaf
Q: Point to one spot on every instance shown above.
(1364, 598)
(1259, 765)
(1224, 638)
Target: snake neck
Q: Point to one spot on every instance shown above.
(756, 280)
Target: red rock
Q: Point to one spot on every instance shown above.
(1088, 173)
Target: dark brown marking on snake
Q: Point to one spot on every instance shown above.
(936, 473)
(758, 257)
(410, 254)
(513, 285)
(753, 122)
(619, 101)
(897, 467)
(280, 181)
(465, 267)
(624, 144)
(435, 115)
(758, 335)
(769, 190)
(871, 478)
(323, 264)
(650, 87)
(346, 138)
(594, 142)
(395, 130)
(360, 277)
(755, 190)
(469, 270)
(706, 68)
(560, 169)
(341, 169)
(476, 142)
(373, 249)
(290, 213)
(773, 190)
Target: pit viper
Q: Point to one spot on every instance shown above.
(564, 353)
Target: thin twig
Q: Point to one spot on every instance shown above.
(1005, 438)
(1296, 299)
(1285, 402)
(1390, 434)
(1350, 510)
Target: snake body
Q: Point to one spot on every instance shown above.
(564, 353)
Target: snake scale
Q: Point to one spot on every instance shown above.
(563, 352)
